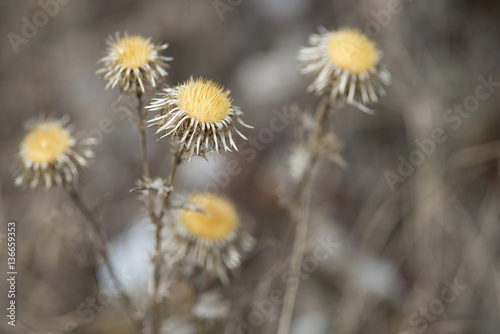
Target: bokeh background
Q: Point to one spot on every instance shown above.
(398, 246)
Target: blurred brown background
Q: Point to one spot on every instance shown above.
(398, 249)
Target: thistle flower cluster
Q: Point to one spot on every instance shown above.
(199, 117)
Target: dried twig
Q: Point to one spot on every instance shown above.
(94, 225)
(155, 304)
(156, 216)
(300, 209)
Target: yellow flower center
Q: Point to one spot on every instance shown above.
(220, 221)
(351, 50)
(204, 101)
(45, 143)
(133, 51)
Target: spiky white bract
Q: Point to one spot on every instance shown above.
(199, 116)
(50, 155)
(132, 62)
(211, 238)
(345, 64)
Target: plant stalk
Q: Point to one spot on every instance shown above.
(300, 210)
(154, 216)
(93, 223)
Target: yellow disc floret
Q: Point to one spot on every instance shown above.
(45, 143)
(204, 101)
(133, 51)
(351, 50)
(221, 218)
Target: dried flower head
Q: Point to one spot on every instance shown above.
(211, 238)
(346, 64)
(133, 61)
(49, 154)
(199, 115)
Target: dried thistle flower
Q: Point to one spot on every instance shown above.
(51, 155)
(199, 115)
(346, 64)
(133, 61)
(213, 239)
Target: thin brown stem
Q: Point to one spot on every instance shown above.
(177, 160)
(145, 161)
(155, 219)
(142, 135)
(155, 216)
(95, 227)
(300, 209)
(155, 299)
